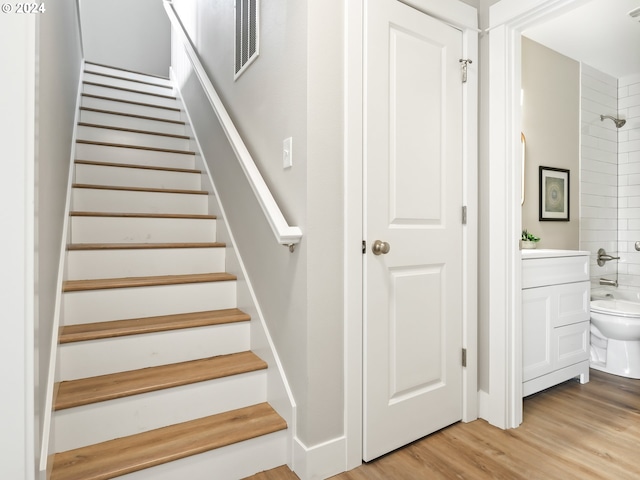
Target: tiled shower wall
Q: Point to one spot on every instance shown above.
(598, 176)
(629, 181)
(610, 174)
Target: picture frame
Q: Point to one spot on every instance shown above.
(554, 194)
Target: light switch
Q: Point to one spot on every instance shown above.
(287, 153)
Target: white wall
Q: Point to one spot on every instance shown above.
(17, 435)
(134, 35)
(60, 57)
(629, 180)
(599, 169)
(551, 124)
(38, 99)
(294, 89)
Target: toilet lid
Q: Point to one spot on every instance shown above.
(621, 308)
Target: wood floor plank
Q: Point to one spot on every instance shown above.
(85, 391)
(569, 432)
(153, 281)
(129, 454)
(134, 326)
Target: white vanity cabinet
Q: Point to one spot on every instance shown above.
(555, 318)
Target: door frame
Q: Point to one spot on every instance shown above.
(463, 17)
(502, 404)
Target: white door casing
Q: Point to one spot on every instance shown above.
(413, 201)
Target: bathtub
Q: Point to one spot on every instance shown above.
(615, 331)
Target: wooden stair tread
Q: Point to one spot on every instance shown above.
(163, 323)
(139, 189)
(130, 90)
(151, 281)
(122, 100)
(143, 167)
(106, 75)
(132, 130)
(129, 454)
(142, 215)
(143, 246)
(85, 391)
(126, 70)
(136, 147)
(132, 115)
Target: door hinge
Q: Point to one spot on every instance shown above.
(464, 357)
(465, 65)
(464, 215)
(364, 247)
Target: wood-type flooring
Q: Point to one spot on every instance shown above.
(569, 432)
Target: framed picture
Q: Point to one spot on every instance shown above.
(554, 194)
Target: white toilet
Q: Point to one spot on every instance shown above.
(615, 337)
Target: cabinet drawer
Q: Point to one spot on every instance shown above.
(570, 344)
(537, 272)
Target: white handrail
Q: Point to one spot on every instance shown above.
(284, 233)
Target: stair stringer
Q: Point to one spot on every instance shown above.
(279, 394)
(47, 435)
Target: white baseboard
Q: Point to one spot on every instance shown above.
(483, 405)
(320, 461)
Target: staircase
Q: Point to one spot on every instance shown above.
(158, 380)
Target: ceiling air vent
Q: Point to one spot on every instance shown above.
(635, 14)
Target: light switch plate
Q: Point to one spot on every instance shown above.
(287, 153)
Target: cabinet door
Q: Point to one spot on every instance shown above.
(572, 305)
(537, 307)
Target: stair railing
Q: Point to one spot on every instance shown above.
(285, 234)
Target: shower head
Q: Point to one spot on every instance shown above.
(618, 121)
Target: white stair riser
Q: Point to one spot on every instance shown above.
(130, 84)
(123, 303)
(136, 177)
(229, 463)
(99, 422)
(133, 156)
(87, 264)
(123, 73)
(124, 107)
(96, 134)
(122, 201)
(141, 230)
(129, 96)
(113, 355)
(134, 123)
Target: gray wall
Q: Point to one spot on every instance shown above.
(128, 34)
(60, 57)
(293, 89)
(551, 124)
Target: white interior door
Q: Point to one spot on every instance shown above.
(413, 203)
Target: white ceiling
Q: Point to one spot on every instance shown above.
(600, 34)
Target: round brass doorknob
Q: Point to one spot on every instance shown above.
(380, 248)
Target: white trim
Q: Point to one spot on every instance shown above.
(319, 461)
(353, 230)
(502, 405)
(284, 233)
(463, 17)
(47, 437)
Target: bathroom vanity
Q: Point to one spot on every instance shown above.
(555, 318)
